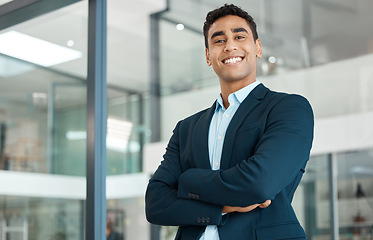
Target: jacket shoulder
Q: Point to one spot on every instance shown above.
(290, 98)
(192, 119)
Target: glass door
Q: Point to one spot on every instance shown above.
(42, 174)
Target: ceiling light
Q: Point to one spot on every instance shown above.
(76, 135)
(180, 26)
(39, 99)
(118, 134)
(70, 43)
(272, 59)
(35, 50)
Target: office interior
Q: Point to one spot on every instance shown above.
(157, 75)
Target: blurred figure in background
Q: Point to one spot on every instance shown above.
(110, 233)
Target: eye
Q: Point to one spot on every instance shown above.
(240, 37)
(219, 41)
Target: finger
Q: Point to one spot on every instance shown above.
(248, 208)
(265, 204)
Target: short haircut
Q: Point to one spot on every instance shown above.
(227, 9)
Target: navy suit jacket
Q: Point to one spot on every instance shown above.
(265, 151)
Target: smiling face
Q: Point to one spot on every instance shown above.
(232, 51)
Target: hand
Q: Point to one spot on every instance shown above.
(265, 204)
(228, 209)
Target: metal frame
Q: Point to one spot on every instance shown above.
(333, 190)
(22, 10)
(155, 94)
(96, 122)
(155, 89)
(18, 11)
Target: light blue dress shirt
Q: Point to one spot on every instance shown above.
(218, 127)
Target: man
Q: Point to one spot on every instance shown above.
(230, 171)
(110, 233)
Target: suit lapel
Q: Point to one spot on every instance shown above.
(251, 101)
(200, 139)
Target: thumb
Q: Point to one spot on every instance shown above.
(265, 204)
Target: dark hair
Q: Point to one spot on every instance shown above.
(227, 9)
(109, 225)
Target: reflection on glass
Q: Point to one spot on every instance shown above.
(41, 218)
(311, 199)
(127, 218)
(42, 106)
(355, 185)
(33, 61)
(68, 128)
(180, 74)
(125, 132)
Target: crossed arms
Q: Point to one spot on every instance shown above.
(282, 149)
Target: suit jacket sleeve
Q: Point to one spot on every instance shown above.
(163, 207)
(281, 152)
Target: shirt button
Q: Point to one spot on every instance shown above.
(226, 115)
(217, 164)
(219, 137)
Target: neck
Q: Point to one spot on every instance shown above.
(227, 88)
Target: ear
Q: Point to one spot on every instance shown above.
(208, 57)
(258, 48)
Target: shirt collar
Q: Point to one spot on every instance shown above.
(239, 95)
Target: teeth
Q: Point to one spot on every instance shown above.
(233, 60)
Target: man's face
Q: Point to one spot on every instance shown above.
(232, 50)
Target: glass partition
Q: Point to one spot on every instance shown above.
(43, 65)
(312, 199)
(355, 194)
(68, 135)
(128, 114)
(125, 131)
(34, 105)
(41, 218)
(182, 58)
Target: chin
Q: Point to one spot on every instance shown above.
(234, 78)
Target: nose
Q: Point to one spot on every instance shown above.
(230, 46)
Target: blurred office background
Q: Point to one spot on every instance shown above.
(157, 75)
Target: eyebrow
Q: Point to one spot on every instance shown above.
(234, 30)
(219, 33)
